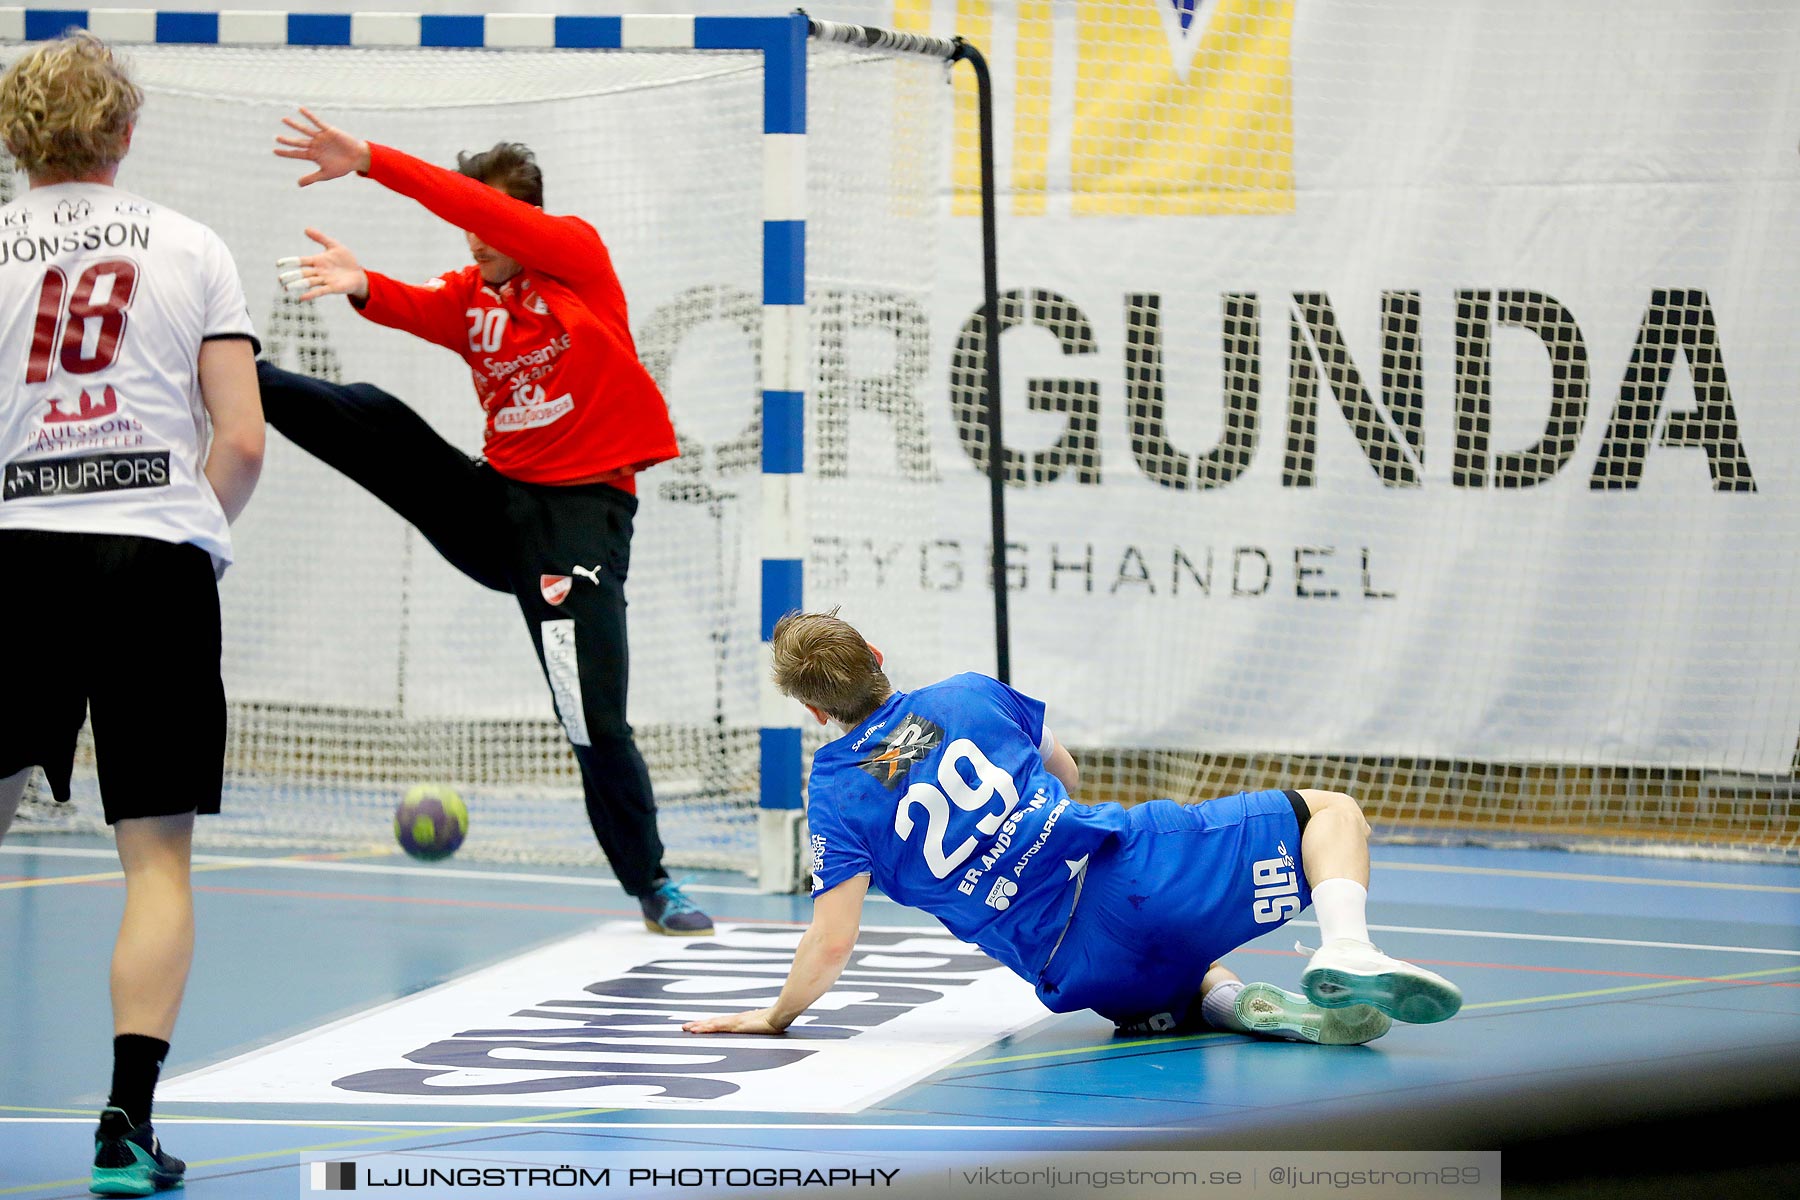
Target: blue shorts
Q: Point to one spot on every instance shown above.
(1183, 885)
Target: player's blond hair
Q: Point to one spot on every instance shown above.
(823, 661)
(66, 107)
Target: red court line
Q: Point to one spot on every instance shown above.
(1450, 962)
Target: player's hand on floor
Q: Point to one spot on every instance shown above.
(334, 271)
(334, 152)
(755, 1021)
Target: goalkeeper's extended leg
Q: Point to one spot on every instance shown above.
(374, 439)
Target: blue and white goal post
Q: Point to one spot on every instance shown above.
(770, 190)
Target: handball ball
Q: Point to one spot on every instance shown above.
(431, 821)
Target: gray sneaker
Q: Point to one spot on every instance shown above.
(1268, 1010)
(668, 910)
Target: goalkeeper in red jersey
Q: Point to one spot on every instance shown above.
(572, 416)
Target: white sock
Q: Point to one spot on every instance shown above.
(1219, 1007)
(1339, 905)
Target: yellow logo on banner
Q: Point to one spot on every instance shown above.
(1180, 107)
(1184, 107)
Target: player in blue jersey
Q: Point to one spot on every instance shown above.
(956, 799)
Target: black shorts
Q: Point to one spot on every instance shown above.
(127, 629)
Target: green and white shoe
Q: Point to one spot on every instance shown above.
(131, 1162)
(1267, 1010)
(1346, 972)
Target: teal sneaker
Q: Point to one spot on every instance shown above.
(131, 1162)
(1268, 1010)
(668, 910)
(1346, 972)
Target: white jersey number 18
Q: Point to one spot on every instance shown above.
(88, 320)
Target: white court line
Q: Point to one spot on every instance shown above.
(761, 1126)
(726, 890)
(1575, 877)
(1553, 937)
(292, 864)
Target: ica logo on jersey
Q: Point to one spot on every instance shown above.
(529, 409)
(1277, 887)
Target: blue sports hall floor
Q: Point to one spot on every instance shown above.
(1575, 967)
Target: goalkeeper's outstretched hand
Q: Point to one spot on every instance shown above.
(335, 152)
(333, 271)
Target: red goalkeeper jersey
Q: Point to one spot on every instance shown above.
(550, 350)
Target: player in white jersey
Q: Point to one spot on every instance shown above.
(131, 433)
(956, 798)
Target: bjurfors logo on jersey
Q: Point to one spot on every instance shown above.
(64, 410)
(1277, 887)
(529, 409)
(84, 474)
(1001, 894)
(72, 212)
(555, 588)
(895, 755)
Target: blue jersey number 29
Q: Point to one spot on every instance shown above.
(936, 803)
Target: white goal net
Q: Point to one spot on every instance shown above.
(357, 662)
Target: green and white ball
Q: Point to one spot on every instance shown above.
(431, 822)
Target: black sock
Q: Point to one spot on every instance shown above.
(137, 1060)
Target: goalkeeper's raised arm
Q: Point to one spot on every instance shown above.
(496, 197)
